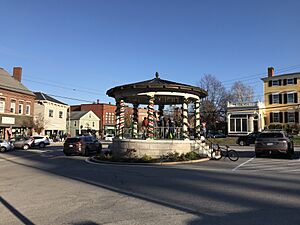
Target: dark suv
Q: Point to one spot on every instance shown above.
(272, 142)
(82, 145)
(248, 139)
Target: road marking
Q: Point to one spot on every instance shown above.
(244, 163)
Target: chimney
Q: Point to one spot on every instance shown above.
(17, 73)
(270, 71)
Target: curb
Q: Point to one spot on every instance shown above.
(92, 159)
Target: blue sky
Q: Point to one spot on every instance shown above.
(80, 49)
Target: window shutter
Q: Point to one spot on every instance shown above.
(270, 83)
(295, 97)
(271, 117)
(280, 98)
(286, 117)
(279, 82)
(280, 117)
(295, 80)
(270, 99)
(285, 98)
(284, 81)
(296, 117)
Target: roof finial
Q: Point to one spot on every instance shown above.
(157, 75)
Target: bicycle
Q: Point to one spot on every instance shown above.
(218, 152)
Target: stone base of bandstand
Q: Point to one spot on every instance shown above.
(156, 148)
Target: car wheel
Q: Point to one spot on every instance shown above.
(86, 152)
(26, 147)
(257, 155)
(242, 143)
(290, 154)
(2, 149)
(42, 145)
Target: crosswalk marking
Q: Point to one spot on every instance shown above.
(272, 165)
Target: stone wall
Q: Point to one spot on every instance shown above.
(155, 148)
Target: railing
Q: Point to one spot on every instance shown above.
(175, 133)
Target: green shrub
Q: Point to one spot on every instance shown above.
(192, 155)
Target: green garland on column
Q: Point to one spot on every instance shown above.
(151, 118)
(122, 117)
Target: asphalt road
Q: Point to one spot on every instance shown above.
(46, 187)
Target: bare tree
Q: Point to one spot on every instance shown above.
(39, 123)
(241, 92)
(213, 107)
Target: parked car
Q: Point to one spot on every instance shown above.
(23, 142)
(274, 142)
(248, 139)
(5, 145)
(82, 145)
(41, 141)
(109, 137)
(215, 134)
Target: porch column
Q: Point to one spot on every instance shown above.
(150, 118)
(251, 127)
(122, 118)
(135, 120)
(185, 122)
(197, 118)
(228, 123)
(117, 118)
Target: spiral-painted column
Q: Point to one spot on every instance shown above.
(151, 118)
(185, 122)
(197, 118)
(117, 118)
(135, 120)
(122, 118)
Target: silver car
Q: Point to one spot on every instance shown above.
(274, 142)
(5, 146)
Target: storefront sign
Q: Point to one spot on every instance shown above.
(8, 120)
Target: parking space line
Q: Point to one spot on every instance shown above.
(244, 163)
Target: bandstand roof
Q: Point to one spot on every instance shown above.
(164, 92)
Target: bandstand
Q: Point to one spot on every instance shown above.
(162, 93)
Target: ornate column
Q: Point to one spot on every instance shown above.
(122, 118)
(135, 120)
(150, 118)
(197, 118)
(117, 118)
(185, 122)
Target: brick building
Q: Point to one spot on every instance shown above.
(16, 105)
(106, 113)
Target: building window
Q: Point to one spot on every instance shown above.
(290, 97)
(275, 82)
(276, 117)
(60, 114)
(238, 123)
(50, 112)
(27, 109)
(20, 109)
(291, 117)
(275, 98)
(290, 81)
(93, 124)
(2, 106)
(75, 124)
(12, 107)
